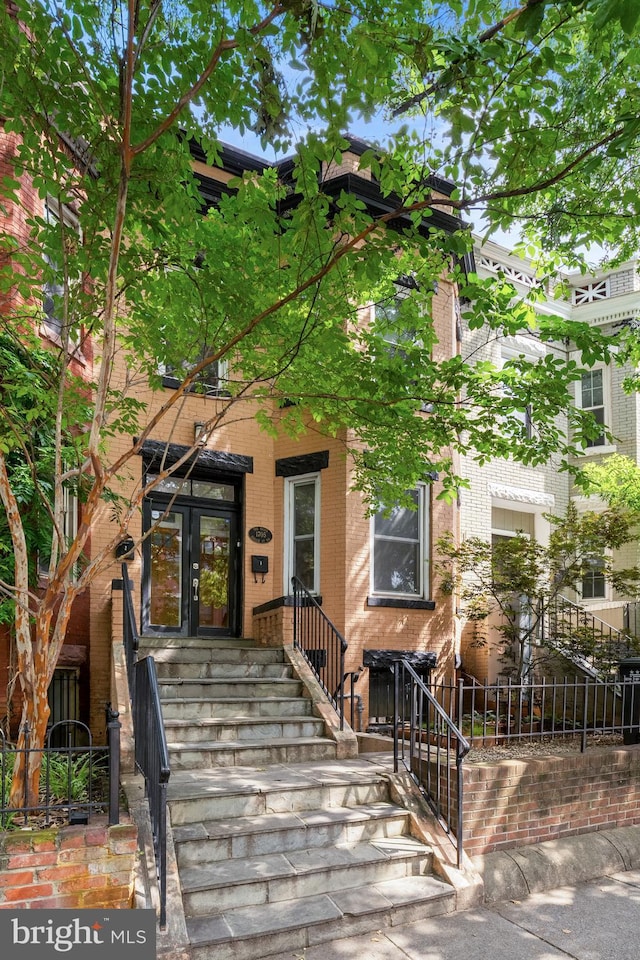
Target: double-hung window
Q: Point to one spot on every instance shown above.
(522, 413)
(593, 399)
(593, 581)
(302, 531)
(400, 548)
(65, 235)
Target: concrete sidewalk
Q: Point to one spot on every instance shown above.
(598, 920)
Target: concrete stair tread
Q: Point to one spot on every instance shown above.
(239, 721)
(276, 822)
(186, 746)
(296, 863)
(193, 784)
(260, 920)
(214, 682)
(186, 642)
(205, 654)
(238, 700)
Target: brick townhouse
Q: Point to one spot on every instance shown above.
(254, 511)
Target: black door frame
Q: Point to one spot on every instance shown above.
(192, 509)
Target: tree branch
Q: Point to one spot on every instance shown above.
(189, 95)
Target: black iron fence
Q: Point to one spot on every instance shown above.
(77, 778)
(571, 707)
(151, 752)
(324, 648)
(429, 745)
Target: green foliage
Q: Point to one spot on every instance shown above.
(106, 101)
(522, 581)
(616, 479)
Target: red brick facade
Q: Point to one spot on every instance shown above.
(514, 803)
(68, 867)
(345, 530)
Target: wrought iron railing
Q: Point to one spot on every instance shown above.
(151, 751)
(75, 776)
(581, 708)
(324, 649)
(130, 634)
(429, 745)
(152, 759)
(584, 639)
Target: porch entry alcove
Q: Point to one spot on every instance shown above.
(192, 556)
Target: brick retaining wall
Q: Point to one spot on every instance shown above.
(68, 867)
(513, 803)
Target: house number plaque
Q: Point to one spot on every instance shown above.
(260, 535)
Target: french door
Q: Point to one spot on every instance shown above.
(191, 569)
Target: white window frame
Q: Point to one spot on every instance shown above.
(605, 407)
(606, 594)
(394, 339)
(53, 211)
(512, 353)
(69, 525)
(424, 553)
(607, 447)
(290, 485)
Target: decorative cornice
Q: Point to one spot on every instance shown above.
(521, 495)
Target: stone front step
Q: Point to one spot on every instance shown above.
(221, 689)
(215, 670)
(279, 877)
(232, 793)
(151, 644)
(188, 708)
(278, 845)
(248, 933)
(193, 756)
(279, 833)
(196, 653)
(231, 730)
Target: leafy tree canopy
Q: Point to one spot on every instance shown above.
(616, 479)
(101, 103)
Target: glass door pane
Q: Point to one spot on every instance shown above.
(214, 560)
(304, 532)
(166, 569)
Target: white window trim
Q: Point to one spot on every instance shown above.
(424, 557)
(71, 222)
(532, 352)
(497, 532)
(605, 448)
(290, 484)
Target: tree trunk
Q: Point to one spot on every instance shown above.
(25, 784)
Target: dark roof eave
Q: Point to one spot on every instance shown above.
(378, 205)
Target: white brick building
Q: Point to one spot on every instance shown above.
(505, 496)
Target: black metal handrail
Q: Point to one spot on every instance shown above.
(323, 647)
(151, 751)
(152, 759)
(430, 747)
(586, 640)
(130, 635)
